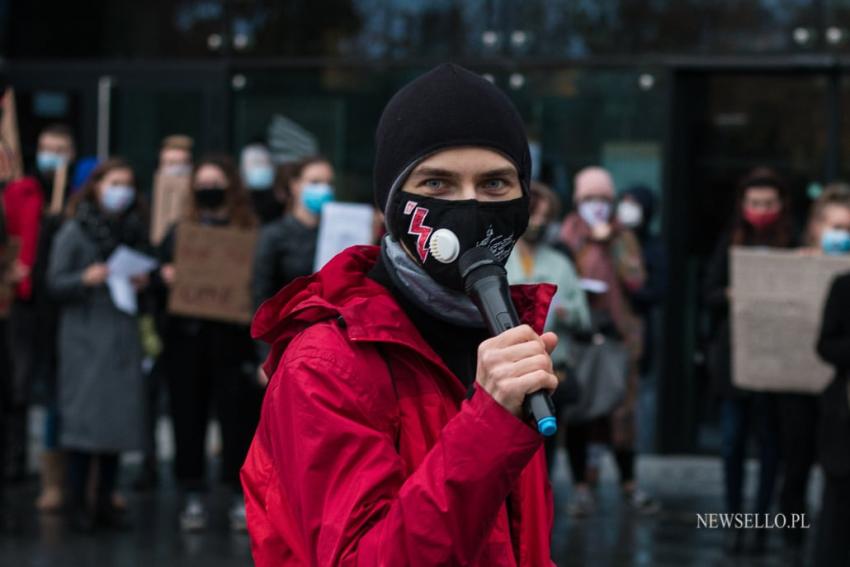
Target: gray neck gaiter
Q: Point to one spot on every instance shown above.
(443, 303)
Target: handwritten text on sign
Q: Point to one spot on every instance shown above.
(213, 273)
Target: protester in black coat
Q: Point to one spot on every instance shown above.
(828, 227)
(208, 363)
(833, 546)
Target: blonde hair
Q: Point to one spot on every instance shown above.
(835, 194)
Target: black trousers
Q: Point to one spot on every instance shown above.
(798, 420)
(5, 373)
(79, 472)
(833, 538)
(579, 436)
(209, 365)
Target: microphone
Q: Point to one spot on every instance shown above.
(486, 283)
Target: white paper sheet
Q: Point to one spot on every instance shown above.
(125, 263)
(342, 225)
(123, 294)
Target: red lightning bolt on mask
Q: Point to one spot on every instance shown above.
(421, 231)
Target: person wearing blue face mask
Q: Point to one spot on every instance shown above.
(828, 234)
(33, 314)
(831, 218)
(287, 247)
(258, 175)
(100, 383)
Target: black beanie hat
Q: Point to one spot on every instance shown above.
(446, 107)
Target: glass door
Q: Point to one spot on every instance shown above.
(722, 125)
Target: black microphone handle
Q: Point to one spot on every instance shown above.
(492, 296)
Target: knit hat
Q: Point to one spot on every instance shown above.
(446, 107)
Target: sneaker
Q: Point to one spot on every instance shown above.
(193, 518)
(642, 502)
(238, 521)
(581, 504)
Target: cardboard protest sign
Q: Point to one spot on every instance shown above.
(170, 193)
(8, 254)
(342, 225)
(777, 305)
(11, 164)
(60, 182)
(213, 273)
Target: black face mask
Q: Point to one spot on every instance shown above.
(413, 219)
(209, 198)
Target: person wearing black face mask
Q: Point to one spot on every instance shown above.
(391, 424)
(33, 316)
(207, 360)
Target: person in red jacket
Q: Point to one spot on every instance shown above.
(392, 430)
(33, 317)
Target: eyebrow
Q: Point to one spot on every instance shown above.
(501, 172)
(445, 173)
(434, 172)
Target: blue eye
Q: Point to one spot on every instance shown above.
(495, 184)
(433, 184)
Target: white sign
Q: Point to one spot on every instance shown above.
(342, 225)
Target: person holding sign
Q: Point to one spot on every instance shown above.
(762, 219)
(209, 360)
(101, 390)
(392, 430)
(33, 207)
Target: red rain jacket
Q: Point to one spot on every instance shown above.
(367, 452)
(23, 202)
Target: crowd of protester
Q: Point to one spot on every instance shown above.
(101, 373)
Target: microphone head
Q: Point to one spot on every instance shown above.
(478, 262)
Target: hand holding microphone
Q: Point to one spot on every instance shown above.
(514, 366)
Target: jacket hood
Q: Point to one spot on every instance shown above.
(342, 289)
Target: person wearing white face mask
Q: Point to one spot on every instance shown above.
(258, 175)
(101, 388)
(608, 253)
(635, 211)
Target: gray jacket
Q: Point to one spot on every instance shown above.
(100, 380)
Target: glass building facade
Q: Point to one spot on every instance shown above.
(680, 95)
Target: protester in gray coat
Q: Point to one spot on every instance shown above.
(100, 376)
